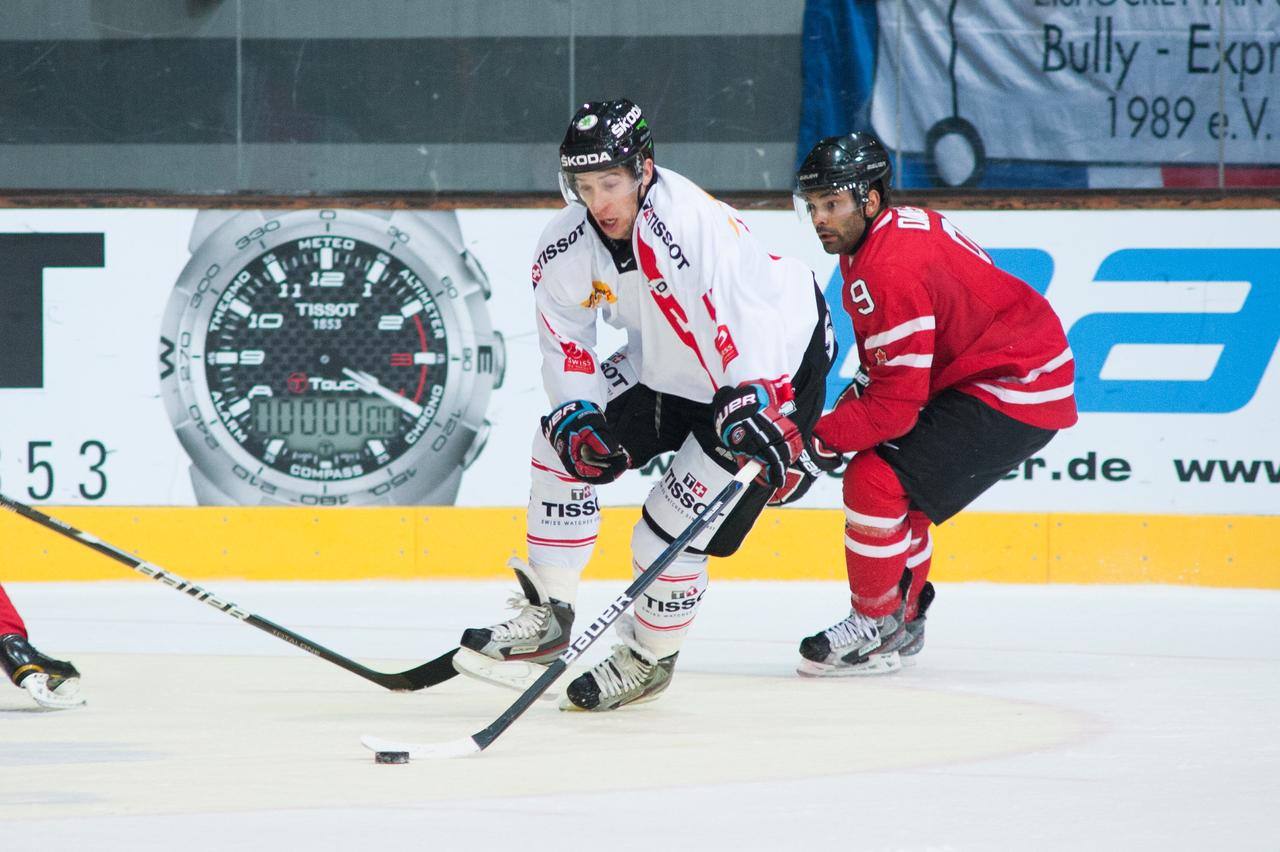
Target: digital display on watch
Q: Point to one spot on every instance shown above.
(326, 425)
(326, 357)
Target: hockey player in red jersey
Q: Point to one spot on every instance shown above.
(52, 683)
(713, 371)
(969, 375)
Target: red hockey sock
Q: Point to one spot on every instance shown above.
(919, 558)
(10, 621)
(876, 536)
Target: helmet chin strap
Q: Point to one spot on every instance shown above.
(866, 223)
(642, 190)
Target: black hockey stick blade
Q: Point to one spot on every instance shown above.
(428, 674)
(482, 739)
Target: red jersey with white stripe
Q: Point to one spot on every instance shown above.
(931, 312)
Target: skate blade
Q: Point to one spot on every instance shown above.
(510, 674)
(64, 696)
(876, 664)
(569, 707)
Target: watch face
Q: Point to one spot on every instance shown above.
(325, 357)
(327, 360)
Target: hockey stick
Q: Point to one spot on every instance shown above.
(428, 674)
(483, 739)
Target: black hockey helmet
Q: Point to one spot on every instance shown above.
(602, 135)
(855, 161)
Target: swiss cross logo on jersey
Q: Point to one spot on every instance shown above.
(537, 274)
(576, 359)
(725, 346)
(694, 486)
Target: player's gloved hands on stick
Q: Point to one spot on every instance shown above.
(751, 420)
(580, 435)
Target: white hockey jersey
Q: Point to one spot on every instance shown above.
(703, 304)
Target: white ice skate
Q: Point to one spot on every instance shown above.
(858, 645)
(513, 653)
(630, 675)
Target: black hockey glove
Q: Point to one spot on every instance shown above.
(751, 420)
(580, 435)
(856, 388)
(816, 459)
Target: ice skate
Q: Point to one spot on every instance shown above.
(626, 677)
(630, 675)
(858, 645)
(514, 653)
(52, 683)
(915, 627)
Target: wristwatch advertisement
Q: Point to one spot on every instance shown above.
(329, 357)
(173, 357)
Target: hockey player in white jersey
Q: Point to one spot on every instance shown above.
(726, 358)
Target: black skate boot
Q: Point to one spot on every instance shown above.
(52, 683)
(915, 627)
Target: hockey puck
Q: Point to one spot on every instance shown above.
(391, 757)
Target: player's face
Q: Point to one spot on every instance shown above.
(837, 219)
(613, 197)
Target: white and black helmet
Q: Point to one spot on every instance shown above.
(603, 135)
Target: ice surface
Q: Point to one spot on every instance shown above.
(1038, 718)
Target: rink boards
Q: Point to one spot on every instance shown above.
(788, 544)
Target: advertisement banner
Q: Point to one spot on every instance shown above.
(1063, 93)
(176, 358)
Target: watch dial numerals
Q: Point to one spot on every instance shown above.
(327, 358)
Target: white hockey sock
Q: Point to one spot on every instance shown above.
(563, 520)
(666, 610)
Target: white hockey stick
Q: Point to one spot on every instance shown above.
(481, 740)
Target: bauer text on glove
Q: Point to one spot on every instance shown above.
(580, 435)
(752, 420)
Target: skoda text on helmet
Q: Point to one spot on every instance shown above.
(855, 161)
(604, 135)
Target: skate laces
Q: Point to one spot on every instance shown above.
(856, 627)
(531, 621)
(622, 672)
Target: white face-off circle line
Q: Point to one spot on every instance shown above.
(224, 734)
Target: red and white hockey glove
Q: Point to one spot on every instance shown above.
(816, 459)
(580, 435)
(751, 420)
